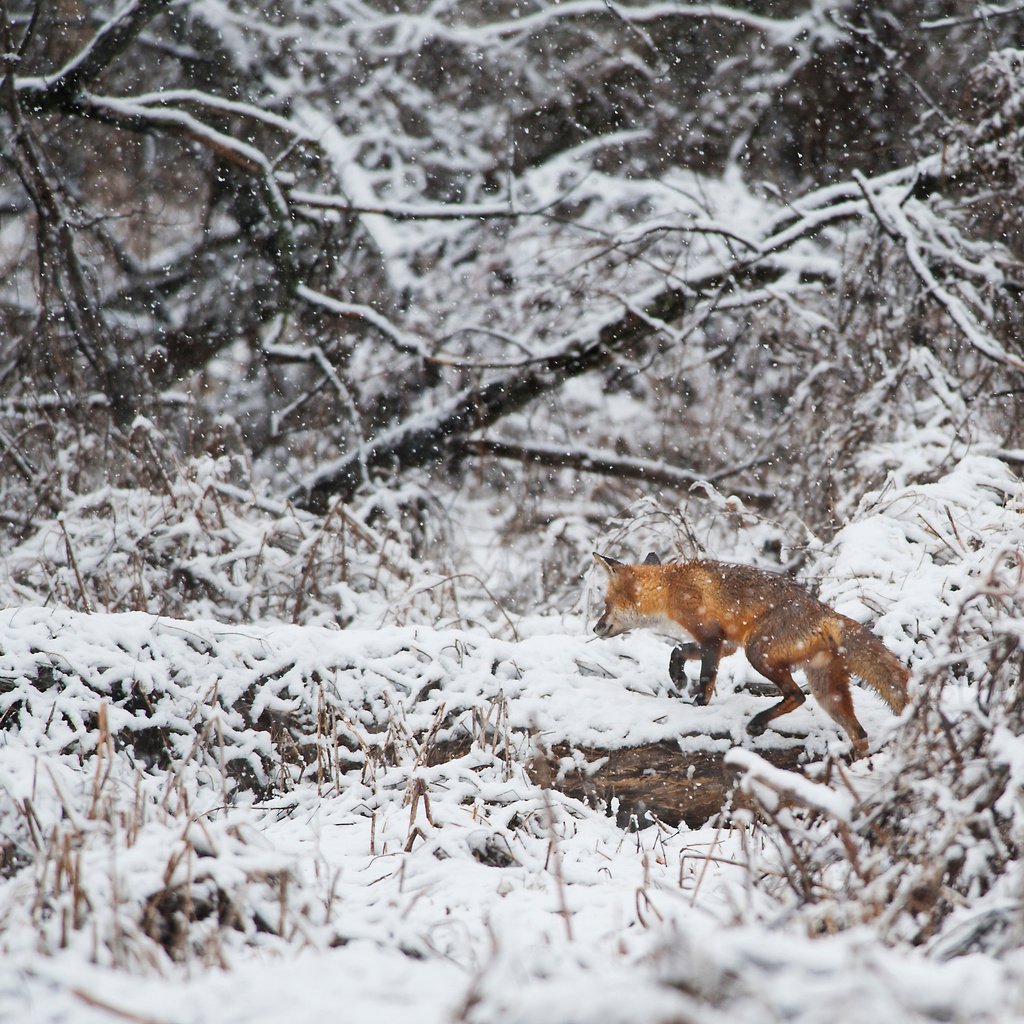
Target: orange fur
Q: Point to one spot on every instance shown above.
(720, 607)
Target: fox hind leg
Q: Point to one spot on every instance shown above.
(773, 667)
(830, 685)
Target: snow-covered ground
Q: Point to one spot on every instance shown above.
(371, 881)
(205, 821)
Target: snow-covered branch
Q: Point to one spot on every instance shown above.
(606, 463)
(398, 33)
(775, 261)
(982, 13)
(105, 47)
(402, 340)
(925, 236)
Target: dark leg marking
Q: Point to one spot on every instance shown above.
(677, 665)
(709, 659)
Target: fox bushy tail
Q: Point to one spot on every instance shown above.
(866, 656)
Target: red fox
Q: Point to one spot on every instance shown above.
(719, 607)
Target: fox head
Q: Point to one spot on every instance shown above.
(621, 602)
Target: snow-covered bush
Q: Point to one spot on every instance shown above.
(927, 849)
(206, 542)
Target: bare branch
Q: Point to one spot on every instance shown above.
(421, 211)
(609, 464)
(58, 259)
(102, 50)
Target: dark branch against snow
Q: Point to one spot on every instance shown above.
(58, 90)
(604, 463)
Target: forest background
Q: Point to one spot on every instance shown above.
(353, 328)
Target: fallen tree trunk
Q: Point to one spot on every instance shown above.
(636, 784)
(441, 431)
(655, 780)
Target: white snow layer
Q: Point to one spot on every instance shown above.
(212, 822)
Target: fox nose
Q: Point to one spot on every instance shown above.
(602, 626)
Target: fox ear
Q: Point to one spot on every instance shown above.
(652, 559)
(610, 565)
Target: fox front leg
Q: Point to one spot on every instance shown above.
(710, 654)
(677, 665)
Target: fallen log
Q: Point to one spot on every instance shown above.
(657, 780)
(640, 783)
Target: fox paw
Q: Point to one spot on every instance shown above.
(756, 726)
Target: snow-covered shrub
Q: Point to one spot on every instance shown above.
(927, 846)
(137, 749)
(204, 541)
